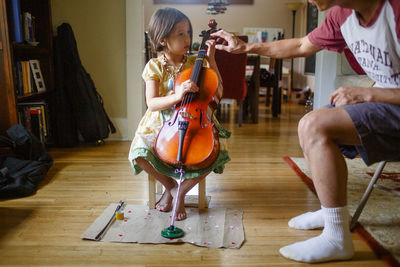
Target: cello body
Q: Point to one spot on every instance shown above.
(200, 142)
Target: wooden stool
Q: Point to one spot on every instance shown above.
(156, 188)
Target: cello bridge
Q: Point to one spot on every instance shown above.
(186, 115)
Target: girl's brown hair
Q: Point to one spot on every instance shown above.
(161, 24)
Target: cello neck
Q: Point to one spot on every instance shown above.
(198, 65)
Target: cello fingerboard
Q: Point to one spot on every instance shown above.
(198, 65)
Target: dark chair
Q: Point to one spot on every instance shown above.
(232, 68)
(273, 83)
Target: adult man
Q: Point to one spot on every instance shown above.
(368, 119)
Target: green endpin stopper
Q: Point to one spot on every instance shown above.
(172, 232)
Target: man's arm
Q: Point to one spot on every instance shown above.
(289, 48)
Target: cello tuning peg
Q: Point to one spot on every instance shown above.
(212, 23)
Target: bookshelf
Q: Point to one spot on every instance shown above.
(21, 93)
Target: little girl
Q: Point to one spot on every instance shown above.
(170, 34)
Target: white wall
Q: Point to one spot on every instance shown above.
(99, 29)
(135, 61)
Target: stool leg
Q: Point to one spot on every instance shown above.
(152, 192)
(202, 194)
(367, 192)
(159, 188)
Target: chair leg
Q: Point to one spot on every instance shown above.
(218, 113)
(366, 195)
(152, 192)
(202, 194)
(156, 188)
(268, 96)
(240, 119)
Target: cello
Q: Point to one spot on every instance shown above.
(189, 140)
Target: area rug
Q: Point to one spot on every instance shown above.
(214, 227)
(379, 223)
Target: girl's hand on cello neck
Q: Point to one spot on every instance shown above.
(211, 55)
(211, 50)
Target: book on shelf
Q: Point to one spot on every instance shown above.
(29, 27)
(29, 78)
(35, 124)
(19, 86)
(26, 78)
(14, 11)
(37, 75)
(34, 116)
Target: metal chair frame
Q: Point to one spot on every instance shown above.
(367, 194)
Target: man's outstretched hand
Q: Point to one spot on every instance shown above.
(229, 42)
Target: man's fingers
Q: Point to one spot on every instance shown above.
(222, 34)
(221, 41)
(220, 47)
(332, 98)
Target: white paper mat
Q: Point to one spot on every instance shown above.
(215, 227)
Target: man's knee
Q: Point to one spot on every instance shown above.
(311, 126)
(308, 125)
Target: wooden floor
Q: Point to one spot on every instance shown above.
(45, 229)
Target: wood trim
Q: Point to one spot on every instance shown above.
(232, 2)
(1, 46)
(8, 112)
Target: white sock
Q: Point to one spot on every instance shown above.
(334, 243)
(308, 221)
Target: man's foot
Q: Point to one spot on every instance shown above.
(319, 249)
(308, 221)
(165, 202)
(333, 244)
(180, 207)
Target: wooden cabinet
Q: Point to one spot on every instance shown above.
(12, 52)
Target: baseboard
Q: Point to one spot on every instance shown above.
(121, 125)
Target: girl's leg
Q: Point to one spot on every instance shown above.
(165, 202)
(186, 185)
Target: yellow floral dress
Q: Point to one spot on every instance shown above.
(152, 121)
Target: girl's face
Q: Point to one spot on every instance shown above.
(178, 41)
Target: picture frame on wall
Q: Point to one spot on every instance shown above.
(232, 2)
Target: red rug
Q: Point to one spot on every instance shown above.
(384, 242)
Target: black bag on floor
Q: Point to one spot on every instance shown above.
(78, 106)
(21, 174)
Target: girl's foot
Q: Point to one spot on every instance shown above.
(180, 207)
(165, 202)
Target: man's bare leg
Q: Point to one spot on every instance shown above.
(332, 166)
(320, 132)
(165, 202)
(186, 185)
